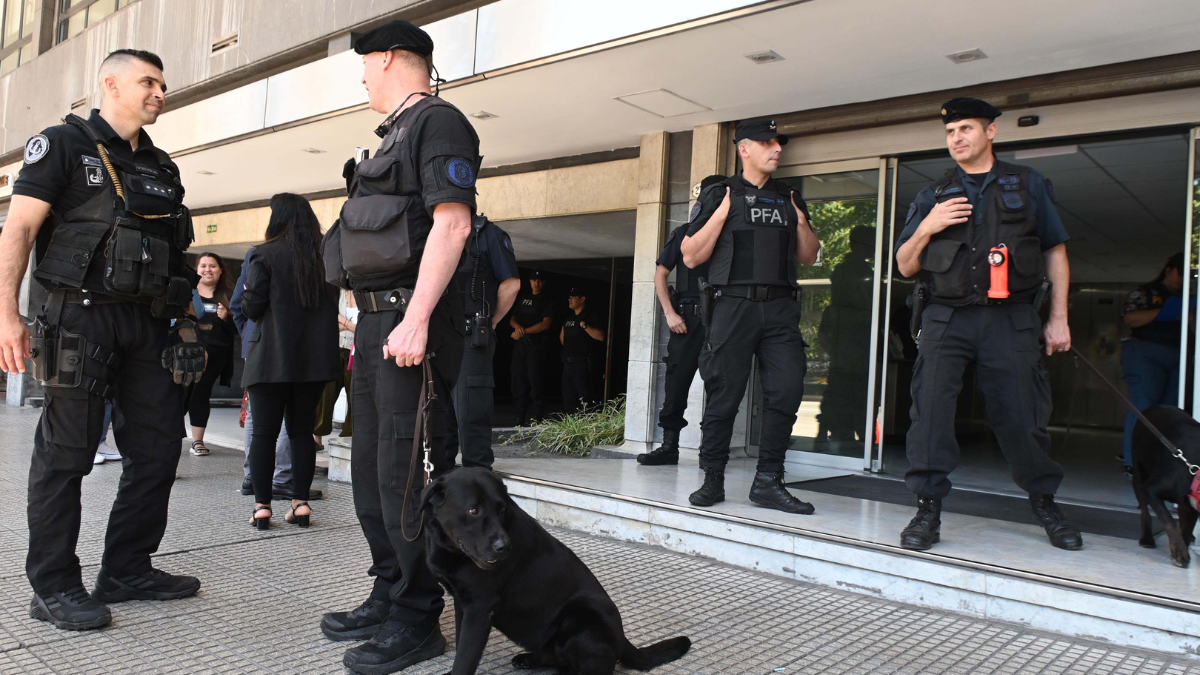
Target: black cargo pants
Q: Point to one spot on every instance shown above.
(151, 405)
(385, 408)
(528, 388)
(740, 330)
(470, 429)
(1002, 342)
(683, 358)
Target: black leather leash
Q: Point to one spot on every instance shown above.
(421, 447)
(1175, 451)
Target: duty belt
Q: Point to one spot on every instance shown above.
(395, 300)
(689, 309)
(757, 293)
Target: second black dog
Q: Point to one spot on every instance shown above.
(505, 570)
(1159, 477)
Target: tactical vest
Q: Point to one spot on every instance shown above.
(383, 226)
(476, 282)
(955, 261)
(758, 243)
(128, 240)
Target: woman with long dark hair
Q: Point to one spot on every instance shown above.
(293, 349)
(210, 302)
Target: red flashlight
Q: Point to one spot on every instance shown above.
(998, 259)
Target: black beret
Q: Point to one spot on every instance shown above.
(967, 108)
(576, 292)
(535, 274)
(758, 130)
(395, 35)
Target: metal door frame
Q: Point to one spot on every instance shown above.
(884, 186)
(1193, 140)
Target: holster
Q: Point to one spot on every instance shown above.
(1042, 293)
(707, 295)
(59, 356)
(917, 300)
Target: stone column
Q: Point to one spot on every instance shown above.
(640, 413)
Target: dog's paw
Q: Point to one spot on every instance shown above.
(1181, 560)
(523, 661)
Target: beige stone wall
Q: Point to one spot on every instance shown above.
(591, 188)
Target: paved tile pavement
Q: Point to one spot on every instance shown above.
(263, 595)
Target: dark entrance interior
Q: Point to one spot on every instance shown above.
(608, 283)
(1122, 199)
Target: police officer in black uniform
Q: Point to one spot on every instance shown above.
(530, 321)
(752, 231)
(409, 210)
(681, 307)
(105, 208)
(982, 221)
(582, 333)
(488, 281)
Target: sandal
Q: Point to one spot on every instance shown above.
(260, 522)
(199, 449)
(298, 519)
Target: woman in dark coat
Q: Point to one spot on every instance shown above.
(293, 349)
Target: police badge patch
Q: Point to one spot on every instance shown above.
(508, 244)
(750, 199)
(95, 176)
(36, 148)
(695, 212)
(459, 171)
(912, 211)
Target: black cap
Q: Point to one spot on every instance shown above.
(1175, 262)
(758, 130)
(535, 274)
(395, 35)
(967, 108)
(711, 180)
(576, 292)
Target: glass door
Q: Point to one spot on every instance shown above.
(840, 314)
(1191, 258)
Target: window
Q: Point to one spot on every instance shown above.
(16, 33)
(75, 15)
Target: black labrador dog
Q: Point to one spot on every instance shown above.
(505, 570)
(1159, 477)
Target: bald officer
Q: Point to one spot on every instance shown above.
(985, 238)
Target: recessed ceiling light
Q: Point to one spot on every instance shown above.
(484, 115)
(202, 172)
(312, 151)
(967, 56)
(764, 57)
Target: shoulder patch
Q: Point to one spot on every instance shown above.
(459, 171)
(36, 148)
(695, 212)
(508, 244)
(912, 211)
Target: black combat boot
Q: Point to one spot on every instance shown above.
(925, 529)
(768, 491)
(154, 584)
(713, 490)
(1062, 533)
(360, 623)
(72, 609)
(667, 453)
(395, 647)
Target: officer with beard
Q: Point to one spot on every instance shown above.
(752, 231)
(105, 208)
(983, 215)
(397, 243)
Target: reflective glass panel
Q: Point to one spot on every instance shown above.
(9, 63)
(12, 21)
(28, 15)
(100, 10)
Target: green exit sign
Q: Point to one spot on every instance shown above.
(212, 229)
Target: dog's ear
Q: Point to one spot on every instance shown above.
(499, 483)
(433, 495)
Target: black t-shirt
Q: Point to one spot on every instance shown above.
(63, 168)
(444, 155)
(576, 341)
(222, 331)
(529, 310)
(497, 263)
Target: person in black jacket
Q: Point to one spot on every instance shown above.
(293, 349)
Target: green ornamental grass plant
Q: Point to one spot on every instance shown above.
(578, 433)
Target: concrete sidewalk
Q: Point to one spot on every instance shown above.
(263, 595)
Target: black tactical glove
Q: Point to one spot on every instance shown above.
(348, 172)
(187, 357)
